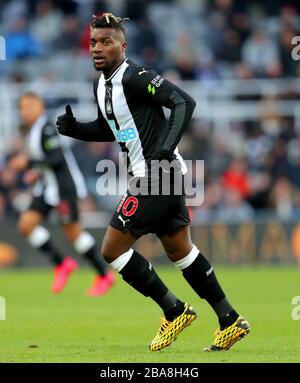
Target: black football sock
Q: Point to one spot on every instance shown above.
(54, 255)
(86, 246)
(96, 261)
(140, 274)
(229, 318)
(176, 309)
(201, 277)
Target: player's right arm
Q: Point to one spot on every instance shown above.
(97, 130)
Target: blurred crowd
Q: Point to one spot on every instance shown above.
(196, 38)
(258, 168)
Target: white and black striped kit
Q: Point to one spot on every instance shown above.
(61, 176)
(131, 102)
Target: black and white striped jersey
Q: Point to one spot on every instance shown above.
(130, 111)
(61, 177)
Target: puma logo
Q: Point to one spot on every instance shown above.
(143, 71)
(123, 221)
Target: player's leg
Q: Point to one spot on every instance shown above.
(198, 272)
(85, 244)
(29, 225)
(201, 277)
(137, 271)
(140, 274)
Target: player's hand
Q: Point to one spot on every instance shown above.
(66, 123)
(164, 154)
(31, 176)
(169, 161)
(18, 162)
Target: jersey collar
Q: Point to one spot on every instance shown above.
(115, 72)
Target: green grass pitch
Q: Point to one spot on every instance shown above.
(71, 327)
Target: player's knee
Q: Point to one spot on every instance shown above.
(107, 252)
(115, 243)
(26, 224)
(110, 252)
(175, 254)
(72, 231)
(70, 236)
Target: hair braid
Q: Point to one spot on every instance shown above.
(108, 20)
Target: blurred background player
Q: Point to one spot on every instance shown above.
(58, 183)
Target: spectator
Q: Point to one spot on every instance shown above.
(260, 53)
(20, 43)
(234, 209)
(71, 35)
(282, 198)
(47, 23)
(185, 60)
(236, 178)
(257, 148)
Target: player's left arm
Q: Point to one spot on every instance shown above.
(51, 146)
(149, 85)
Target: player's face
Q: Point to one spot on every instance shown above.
(30, 110)
(107, 48)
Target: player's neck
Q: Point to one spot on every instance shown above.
(110, 72)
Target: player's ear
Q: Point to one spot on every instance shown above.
(124, 46)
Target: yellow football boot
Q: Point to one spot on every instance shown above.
(169, 331)
(227, 337)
